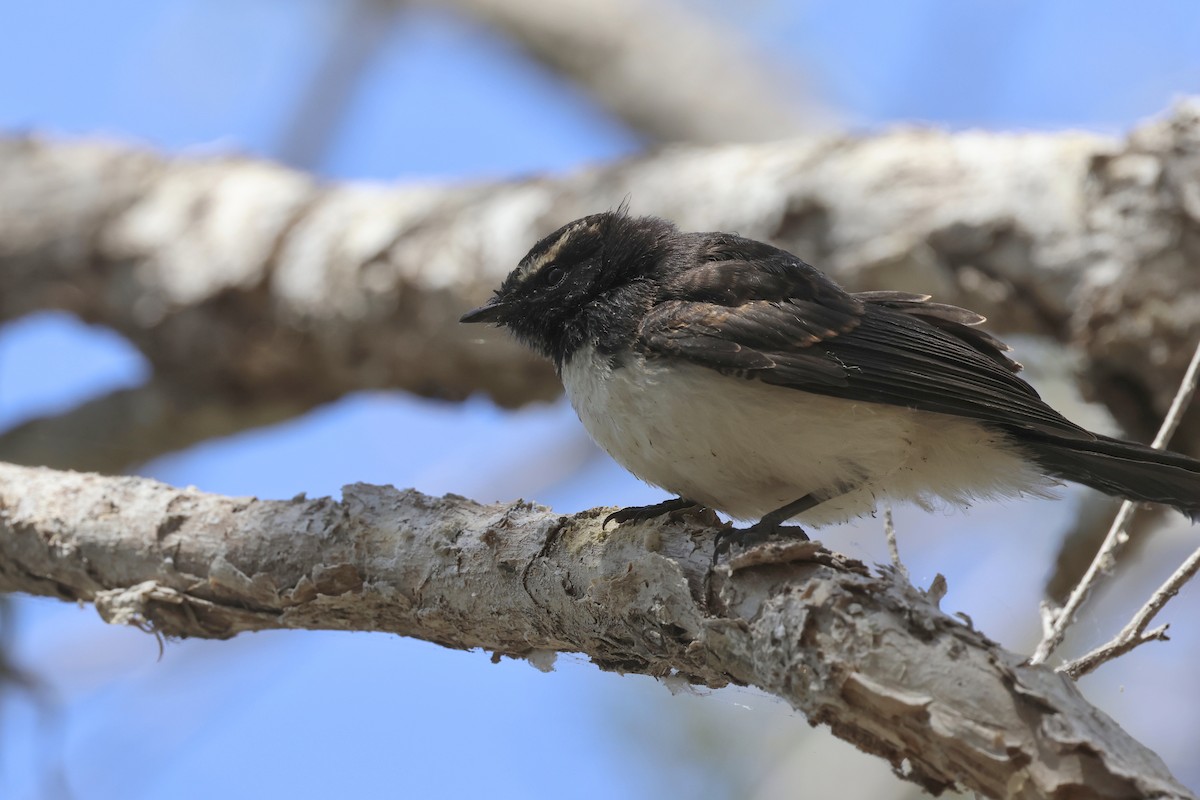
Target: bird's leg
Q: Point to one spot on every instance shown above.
(640, 513)
(769, 525)
(772, 523)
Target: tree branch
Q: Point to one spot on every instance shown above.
(1055, 621)
(133, 426)
(657, 66)
(247, 279)
(866, 654)
(351, 39)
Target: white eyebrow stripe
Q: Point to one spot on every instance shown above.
(529, 270)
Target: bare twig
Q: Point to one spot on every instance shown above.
(889, 532)
(1056, 621)
(1134, 633)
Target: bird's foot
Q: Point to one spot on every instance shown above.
(763, 531)
(675, 508)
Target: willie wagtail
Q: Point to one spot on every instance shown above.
(736, 376)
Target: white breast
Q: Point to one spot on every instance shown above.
(748, 448)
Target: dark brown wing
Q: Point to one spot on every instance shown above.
(761, 339)
(789, 325)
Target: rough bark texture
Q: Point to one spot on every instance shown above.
(866, 654)
(254, 285)
(1138, 314)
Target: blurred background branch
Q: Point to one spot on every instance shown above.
(355, 36)
(669, 73)
(133, 426)
(250, 284)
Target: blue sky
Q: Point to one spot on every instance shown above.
(329, 714)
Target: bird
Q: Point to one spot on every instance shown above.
(739, 378)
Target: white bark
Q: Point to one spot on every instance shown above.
(253, 284)
(252, 289)
(864, 653)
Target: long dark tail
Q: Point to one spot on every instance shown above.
(1125, 469)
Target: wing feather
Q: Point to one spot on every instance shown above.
(785, 323)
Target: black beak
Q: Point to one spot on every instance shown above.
(491, 312)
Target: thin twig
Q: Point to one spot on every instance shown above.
(1056, 622)
(889, 531)
(1134, 633)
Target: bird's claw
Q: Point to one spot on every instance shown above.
(641, 513)
(760, 532)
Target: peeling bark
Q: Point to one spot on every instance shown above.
(864, 653)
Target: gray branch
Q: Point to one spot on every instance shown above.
(658, 66)
(866, 654)
(133, 426)
(243, 279)
(351, 39)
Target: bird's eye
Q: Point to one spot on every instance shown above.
(554, 276)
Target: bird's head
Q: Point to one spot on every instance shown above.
(582, 283)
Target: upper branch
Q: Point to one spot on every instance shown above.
(867, 654)
(252, 280)
(657, 66)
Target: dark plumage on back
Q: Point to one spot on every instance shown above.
(779, 320)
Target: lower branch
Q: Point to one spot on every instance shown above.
(866, 654)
